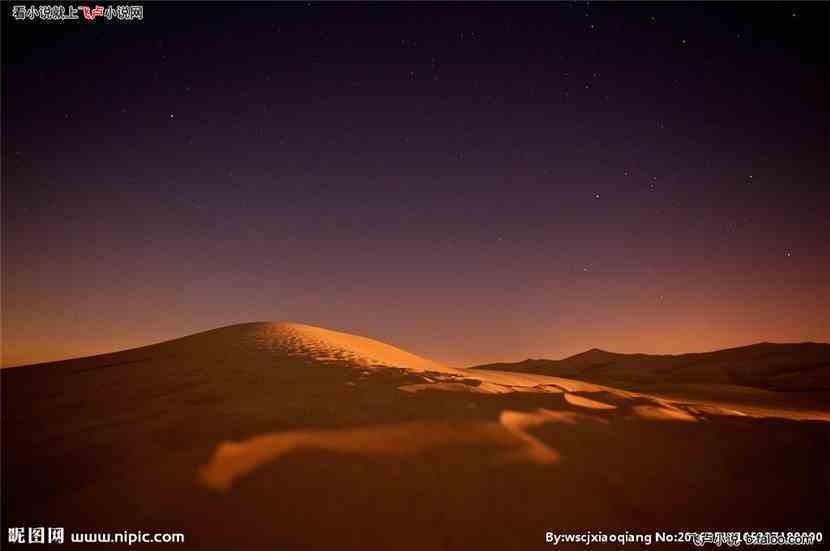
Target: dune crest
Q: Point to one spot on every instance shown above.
(581, 401)
(327, 345)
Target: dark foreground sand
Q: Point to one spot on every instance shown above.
(245, 438)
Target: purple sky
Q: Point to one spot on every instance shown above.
(471, 182)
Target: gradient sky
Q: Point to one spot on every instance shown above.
(473, 183)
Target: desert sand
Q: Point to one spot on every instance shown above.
(287, 436)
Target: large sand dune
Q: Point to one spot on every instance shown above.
(282, 435)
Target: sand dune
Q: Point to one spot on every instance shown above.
(283, 435)
(781, 367)
(323, 345)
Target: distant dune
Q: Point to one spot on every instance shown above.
(288, 436)
(780, 367)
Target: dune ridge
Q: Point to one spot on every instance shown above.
(326, 345)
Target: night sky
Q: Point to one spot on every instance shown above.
(473, 183)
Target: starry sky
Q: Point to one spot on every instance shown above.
(471, 182)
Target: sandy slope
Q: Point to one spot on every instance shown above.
(288, 436)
